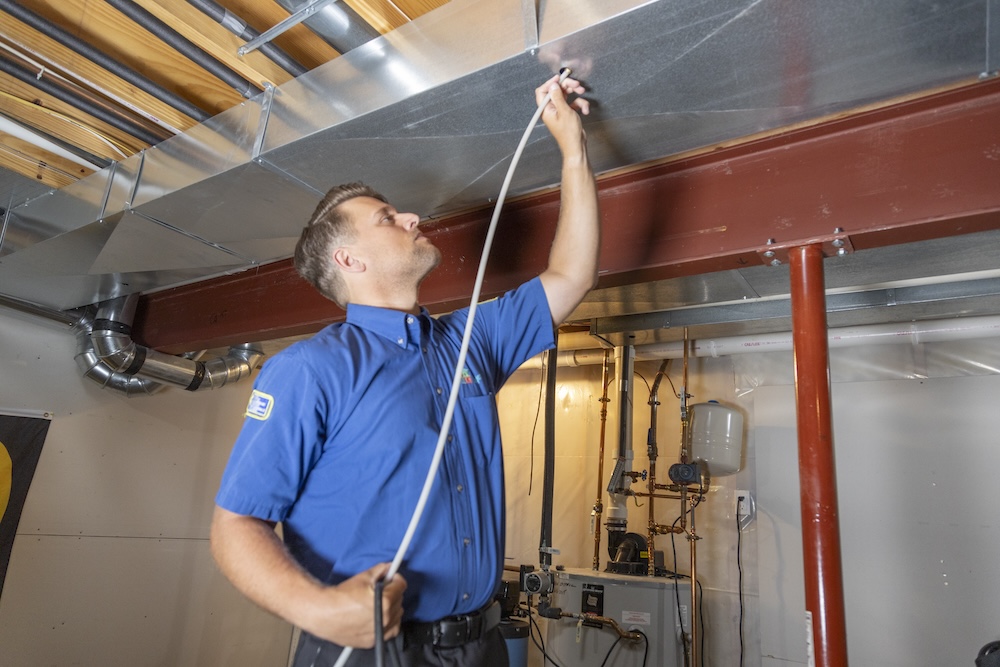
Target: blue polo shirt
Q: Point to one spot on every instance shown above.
(340, 431)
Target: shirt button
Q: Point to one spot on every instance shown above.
(424, 348)
(438, 390)
(450, 438)
(460, 488)
(465, 596)
(409, 319)
(399, 340)
(466, 541)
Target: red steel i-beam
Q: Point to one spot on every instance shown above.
(817, 470)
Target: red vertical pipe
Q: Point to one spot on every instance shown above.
(817, 471)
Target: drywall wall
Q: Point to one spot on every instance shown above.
(111, 563)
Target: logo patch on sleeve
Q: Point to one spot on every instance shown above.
(260, 405)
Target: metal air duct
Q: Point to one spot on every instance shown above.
(108, 356)
(111, 337)
(430, 113)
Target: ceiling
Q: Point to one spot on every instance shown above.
(140, 152)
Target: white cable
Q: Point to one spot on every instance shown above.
(456, 381)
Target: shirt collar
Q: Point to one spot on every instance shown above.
(400, 327)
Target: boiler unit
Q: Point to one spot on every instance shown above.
(647, 604)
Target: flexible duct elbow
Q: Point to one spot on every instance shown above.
(111, 337)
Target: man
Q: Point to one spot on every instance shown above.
(341, 429)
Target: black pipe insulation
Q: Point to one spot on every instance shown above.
(337, 24)
(626, 364)
(548, 483)
(59, 92)
(98, 57)
(239, 27)
(185, 47)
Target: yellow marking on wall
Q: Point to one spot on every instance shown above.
(6, 479)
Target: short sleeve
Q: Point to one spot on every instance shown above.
(282, 437)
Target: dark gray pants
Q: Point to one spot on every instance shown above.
(488, 651)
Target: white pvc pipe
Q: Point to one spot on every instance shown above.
(930, 331)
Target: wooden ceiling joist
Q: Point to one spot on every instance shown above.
(85, 73)
(63, 121)
(216, 41)
(106, 29)
(38, 164)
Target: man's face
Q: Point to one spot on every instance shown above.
(389, 243)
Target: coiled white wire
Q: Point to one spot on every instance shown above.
(456, 381)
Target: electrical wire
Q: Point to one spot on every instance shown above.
(645, 648)
(534, 424)
(533, 626)
(462, 353)
(739, 568)
(677, 594)
(613, 646)
(379, 632)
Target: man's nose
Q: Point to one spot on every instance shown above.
(409, 220)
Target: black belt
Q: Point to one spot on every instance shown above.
(454, 630)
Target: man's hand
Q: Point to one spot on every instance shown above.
(252, 556)
(562, 117)
(345, 613)
(572, 268)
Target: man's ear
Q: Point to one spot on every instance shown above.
(345, 260)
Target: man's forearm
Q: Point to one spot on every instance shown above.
(252, 556)
(254, 559)
(572, 269)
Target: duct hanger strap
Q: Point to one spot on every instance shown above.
(197, 377)
(292, 21)
(112, 325)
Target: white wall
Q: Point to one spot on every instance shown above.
(111, 564)
(915, 429)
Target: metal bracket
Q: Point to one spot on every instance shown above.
(837, 244)
(265, 115)
(292, 21)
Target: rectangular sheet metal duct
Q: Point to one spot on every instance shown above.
(430, 114)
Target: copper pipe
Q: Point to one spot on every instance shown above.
(652, 453)
(664, 529)
(664, 496)
(598, 505)
(603, 620)
(693, 542)
(817, 472)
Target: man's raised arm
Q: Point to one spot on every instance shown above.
(572, 269)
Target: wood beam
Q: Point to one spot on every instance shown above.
(105, 28)
(215, 40)
(64, 121)
(923, 169)
(38, 164)
(387, 15)
(88, 74)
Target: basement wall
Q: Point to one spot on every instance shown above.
(111, 564)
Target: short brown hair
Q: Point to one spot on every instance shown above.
(327, 229)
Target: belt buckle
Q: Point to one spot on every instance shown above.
(457, 630)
